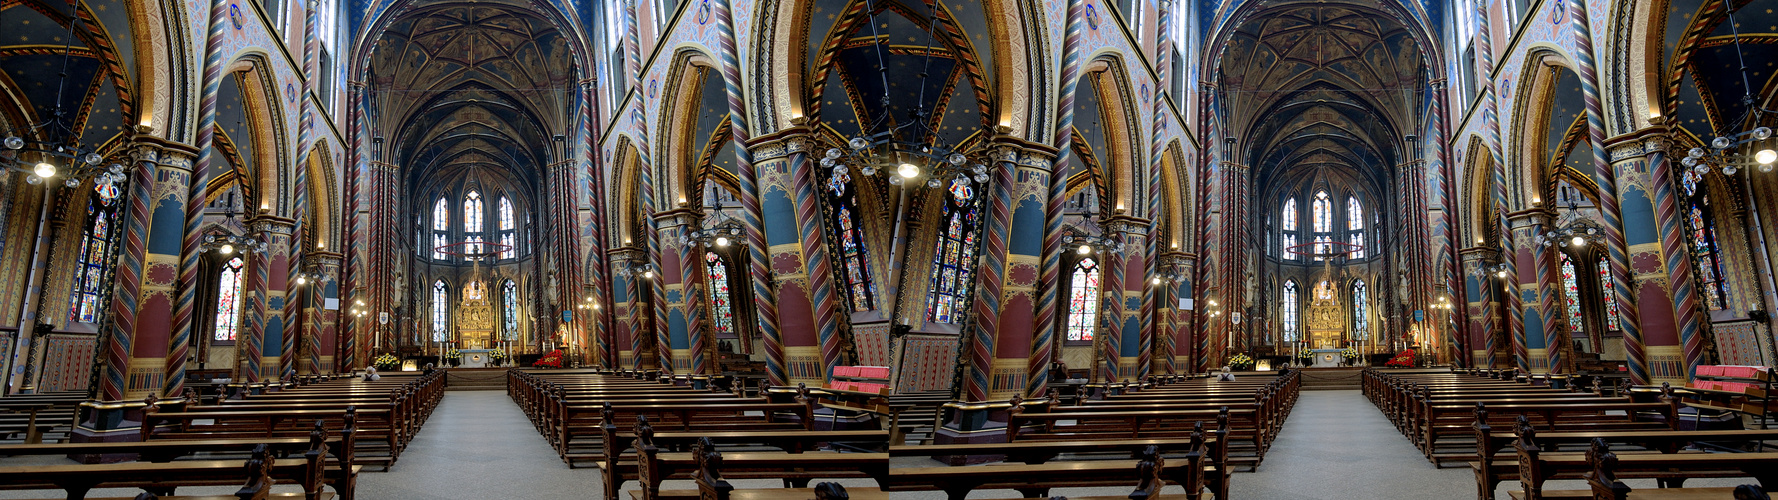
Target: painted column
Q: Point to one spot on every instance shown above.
(354, 261)
(1629, 317)
(268, 279)
(1006, 281)
(1541, 289)
(684, 275)
(319, 337)
(1108, 335)
(759, 268)
(1476, 284)
(1660, 265)
(1130, 269)
(198, 181)
(1048, 315)
(796, 248)
(1513, 321)
(142, 303)
(1153, 325)
(595, 224)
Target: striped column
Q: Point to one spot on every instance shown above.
(1551, 335)
(1688, 312)
(141, 302)
(796, 249)
(1444, 231)
(274, 338)
(1152, 324)
(1513, 321)
(1108, 345)
(1048, 315)
(759, 269)
(318, 332)
(990, 279)
(597, 266)
(353, 289)
(191, 246)
(1204, 272)
(690, 335)
(1020, 178)
(1629, 318)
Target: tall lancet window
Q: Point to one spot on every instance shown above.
(1355, 224)
(1708, 256)
(228, 301)
(722, 310)
(441, 306)
(1287, 312)
(472, 222)
(1083, 300)
(508, 230)
(954, 258)
(1361, 317)
(1571, 294)
(1322, 211)
(854, 261)
(441, 228)
(1289, 237)
(509, 309)
(1609, 293)
(95, 244)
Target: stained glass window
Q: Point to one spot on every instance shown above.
(1354, 214)
(1289, 241)
(1688, 180)
(1323, 211)
(1083, 300)
(954, 258)
(474, 244)
(1609, 293)
(1323, 245)
(440, 311)
(95, 244)
(1357, 248)
(441, 224)
(722, 311)
(1705, 249)
(507, 227)
(441, 216)
(475, 291)
(859, 290)
(228, 301)
(1571, 292)
(472, 212)
(1287, 311)
(509, 308)
(1361, 318)
(1290, 214)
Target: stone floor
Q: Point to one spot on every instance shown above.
(478, 446)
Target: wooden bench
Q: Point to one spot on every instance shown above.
(1491, 470)
(164, 478)
(1602, 468)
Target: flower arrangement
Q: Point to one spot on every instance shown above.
(386, 362)
(496, 354)
(1240, 362)
(1404, 359)
(1305, 354)
(551, 360)
(1349, 354)
(453, 353)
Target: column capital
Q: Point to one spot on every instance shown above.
(1642, 142)
(783, 143)
(272, 225)
(1008, 149)
(162, 152)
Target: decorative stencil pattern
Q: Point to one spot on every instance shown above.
(927, 364)
(1738, 343)
(67, 362)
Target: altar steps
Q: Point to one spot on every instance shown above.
(475, 379)
(1331, 379)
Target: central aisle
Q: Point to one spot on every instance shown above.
(1335, 445)
(478, 445)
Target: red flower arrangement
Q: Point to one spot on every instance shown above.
(551, 360)
(1404, 359)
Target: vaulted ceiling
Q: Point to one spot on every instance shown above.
(1322, 85)
(471, 86)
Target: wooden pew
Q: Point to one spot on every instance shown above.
(164, 478)
(1602, 469)
(1491, 470)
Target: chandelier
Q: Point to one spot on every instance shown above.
(1726, 151)
(724, 231)
(59, 151)
(910, 149)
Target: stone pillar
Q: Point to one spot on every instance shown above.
(683, 277)
(1660, 263)
(320, 339)
(267, 290)
(808, 309)
(142, 304)
(1482, 331)
(1006, 287)
(1123, 322)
